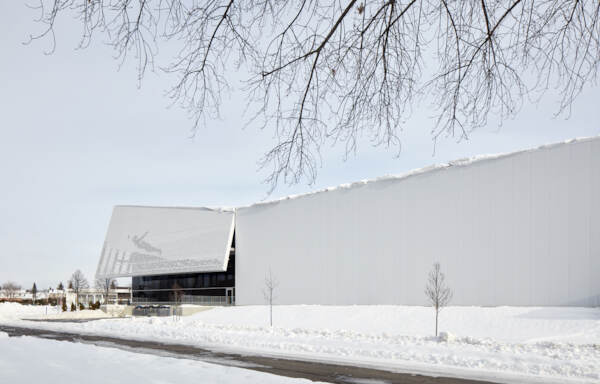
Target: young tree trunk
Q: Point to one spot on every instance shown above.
(271, 312)
(270, 285)
(437, 312)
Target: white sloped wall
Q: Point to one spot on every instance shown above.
(520, 229)
(164, 240)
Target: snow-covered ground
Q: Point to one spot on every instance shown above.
(31, 360)
(18, 311)
(508, 344)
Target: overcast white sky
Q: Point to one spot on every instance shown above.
(77, 136)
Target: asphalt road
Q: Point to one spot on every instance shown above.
(331, 373)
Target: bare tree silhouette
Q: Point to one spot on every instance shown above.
(330, 72)
(10, 289)
(271, 284)
(77, 283)
(438, 293)
(177, 294)
(105, 284)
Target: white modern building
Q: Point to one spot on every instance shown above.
(513, 229)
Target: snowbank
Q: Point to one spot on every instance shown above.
(85, 314)
(512, 324)
(508, 344)
(12, 311)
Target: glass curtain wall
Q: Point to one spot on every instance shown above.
(168, 288)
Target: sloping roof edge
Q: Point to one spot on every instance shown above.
(461, 162)
(215, 209)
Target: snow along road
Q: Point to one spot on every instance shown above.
(26, 360)
(499, 344)
(314, 371)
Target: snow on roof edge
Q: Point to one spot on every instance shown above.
(215, 209)
(461, 162)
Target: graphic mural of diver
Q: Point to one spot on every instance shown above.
(144, 245)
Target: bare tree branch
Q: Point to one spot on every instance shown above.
(330, 73)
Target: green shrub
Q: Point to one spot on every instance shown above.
(81, 307)
(73, 307)
(64, 306)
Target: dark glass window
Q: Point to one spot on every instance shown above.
(160, 288)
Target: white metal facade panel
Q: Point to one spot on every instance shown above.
(521, 229)
(159, 240)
